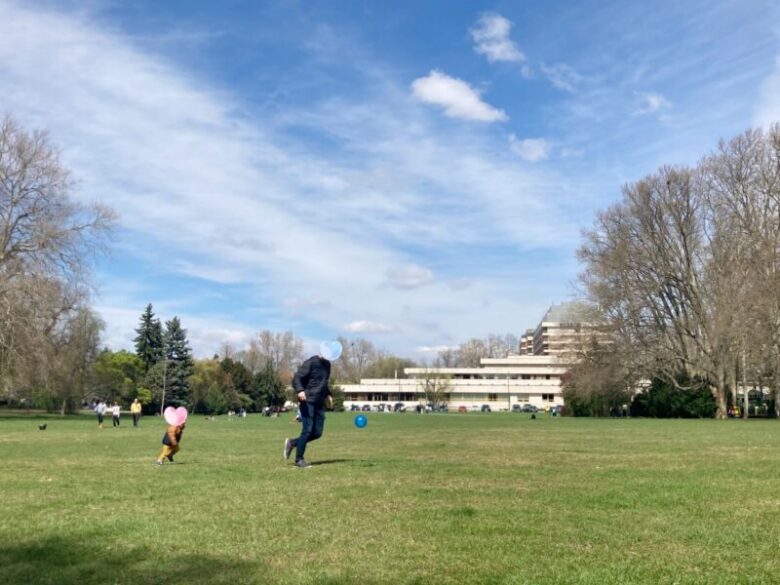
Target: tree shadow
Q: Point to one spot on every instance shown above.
(87, 560)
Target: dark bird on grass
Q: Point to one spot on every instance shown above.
(42, 427)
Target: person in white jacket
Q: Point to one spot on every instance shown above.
(100, 411)
(115, 414)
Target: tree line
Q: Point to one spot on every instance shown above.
(685, 270)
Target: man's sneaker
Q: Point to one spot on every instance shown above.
(302, 464)
(159, 462)
(288, 447)
(170, 458)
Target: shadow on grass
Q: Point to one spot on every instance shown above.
(57, 560)
(332, 461)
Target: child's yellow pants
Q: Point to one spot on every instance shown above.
(167, 451)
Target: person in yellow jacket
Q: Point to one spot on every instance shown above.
(171, 441)
(135, 410)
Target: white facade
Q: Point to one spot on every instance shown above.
(533, 377)
(499, 383)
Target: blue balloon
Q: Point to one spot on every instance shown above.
(360, 421)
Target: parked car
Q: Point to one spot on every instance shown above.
(462, 409)
(556, 409)
(399, 407)
(530, 408)
(354, 408)
(366, 408)
(485, 408)
(517, 408)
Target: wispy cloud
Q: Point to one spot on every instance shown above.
(562, 76)
(456, 97)
(530, 149)
(409, 276)
(651, 103)
(368, 327)
(491, 38)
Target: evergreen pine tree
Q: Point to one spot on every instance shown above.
(149, 341)
(179, 364)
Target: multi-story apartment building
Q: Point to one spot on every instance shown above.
(563, 329)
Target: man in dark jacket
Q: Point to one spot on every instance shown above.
(311, 385)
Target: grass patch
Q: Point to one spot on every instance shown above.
(429, 499)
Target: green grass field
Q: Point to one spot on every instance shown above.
(477, 498)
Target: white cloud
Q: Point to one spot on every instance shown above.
(491, 38)
(368, 327)
(245, 204)
(651, 103)
(561, 76)
(434, 348)
(530, 149)
(409, 276)
(207, 272)
(457, 97)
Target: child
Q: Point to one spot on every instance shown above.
(115, 410)
(170, 442)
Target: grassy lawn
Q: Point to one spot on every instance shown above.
(476, 498)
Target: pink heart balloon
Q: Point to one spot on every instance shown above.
(171, 416)
(181, 415)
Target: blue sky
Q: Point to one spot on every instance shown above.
(416, 173)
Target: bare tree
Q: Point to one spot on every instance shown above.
(687, 267)
(283, 350)
(646, 266)
(435, 386)
(743, 180)
(42, 231)
(48, 243)
(470, 353)
(447, 358)
(358, 355)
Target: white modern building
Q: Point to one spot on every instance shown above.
(499, 383)
(532, 377)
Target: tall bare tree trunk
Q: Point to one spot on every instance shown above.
(745, 391)
(776, 385)
(733, 383)
(719, 393)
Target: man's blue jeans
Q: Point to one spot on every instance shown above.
(313, 421)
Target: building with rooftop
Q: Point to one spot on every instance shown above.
(532, 377)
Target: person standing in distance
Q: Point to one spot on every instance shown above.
(115, 412)
(135, 410)
(100, 411)
(311, 385)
